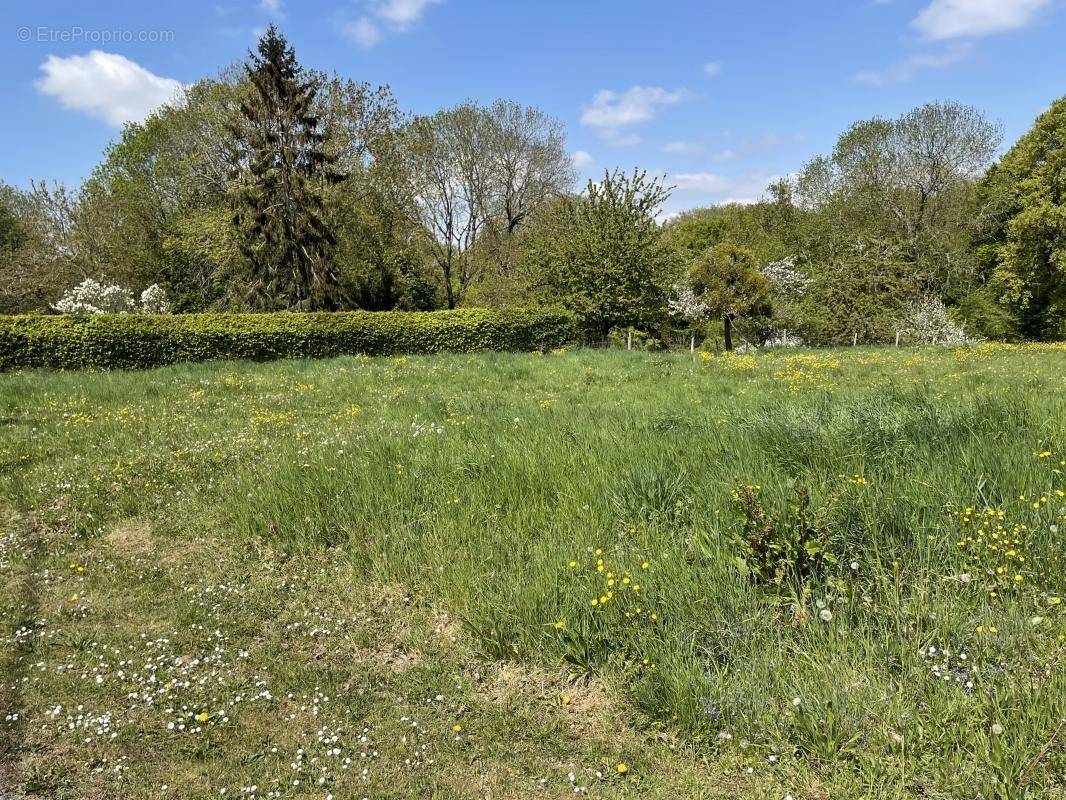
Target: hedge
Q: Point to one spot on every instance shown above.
(131, 341)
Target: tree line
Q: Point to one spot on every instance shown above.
(275, 187)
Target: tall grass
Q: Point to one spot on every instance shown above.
(496, 485)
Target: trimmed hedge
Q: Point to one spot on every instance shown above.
(131, 341)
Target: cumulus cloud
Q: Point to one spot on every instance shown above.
(581, 158)
(106, 85)
(909, 68)
(610, 112)
(950, 19)
(382, 16)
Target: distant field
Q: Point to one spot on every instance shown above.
(824, 574)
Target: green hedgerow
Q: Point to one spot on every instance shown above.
(132, 341)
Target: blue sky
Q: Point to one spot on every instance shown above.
(719, 96)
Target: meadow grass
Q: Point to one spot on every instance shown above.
(826, 574)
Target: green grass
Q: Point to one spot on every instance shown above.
(268, 556)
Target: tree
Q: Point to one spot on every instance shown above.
(768, 229)
(284, 169)
(527, 165)
(603, 255)
(452, 191)
(481, 173)
(909, 180)
(164, 180)
(728, 282)
(1025, 237)
(39, 256)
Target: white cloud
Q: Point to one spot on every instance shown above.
(106, 85)
(683, 148)
(275, 7)
(949, 19)
(712, 68)
(393, 15)
(581, 158)
(401, 13)
(909, 68)
(363, 32)
(612, 110)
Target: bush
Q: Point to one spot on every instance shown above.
(130, 341)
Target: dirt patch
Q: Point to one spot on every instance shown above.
(585, 704)
(130, 537)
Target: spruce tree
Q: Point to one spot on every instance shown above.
(283, 170)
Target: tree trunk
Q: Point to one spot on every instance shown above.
(727, 332)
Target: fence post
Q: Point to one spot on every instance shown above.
(692, 344)
(897, 338)
(629, 340)
(854, 339)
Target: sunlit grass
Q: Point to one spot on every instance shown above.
(848, 625)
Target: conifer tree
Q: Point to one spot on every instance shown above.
(283, 171)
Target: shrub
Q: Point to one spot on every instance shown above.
(927, 322)
(92, 297)
(131, 341)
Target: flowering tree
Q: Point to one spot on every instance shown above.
(927, 322)
(787, 281)
(154, 300)
(686, 305)
(730, 285)
(92, 297)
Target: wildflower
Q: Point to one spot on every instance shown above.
(622, 769)
(457, 728)
(825, 615)
(796, 701)
(997, 729)
(201, 717)
(572, 564)
(566, 699)
(559, 624)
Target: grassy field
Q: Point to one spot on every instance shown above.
(829, 574)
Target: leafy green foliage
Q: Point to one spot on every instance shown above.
(129, 341)
(729, 283)
(603, 255)
(779, 549)
(1027, 238)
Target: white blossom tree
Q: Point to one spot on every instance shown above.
(93, 297)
